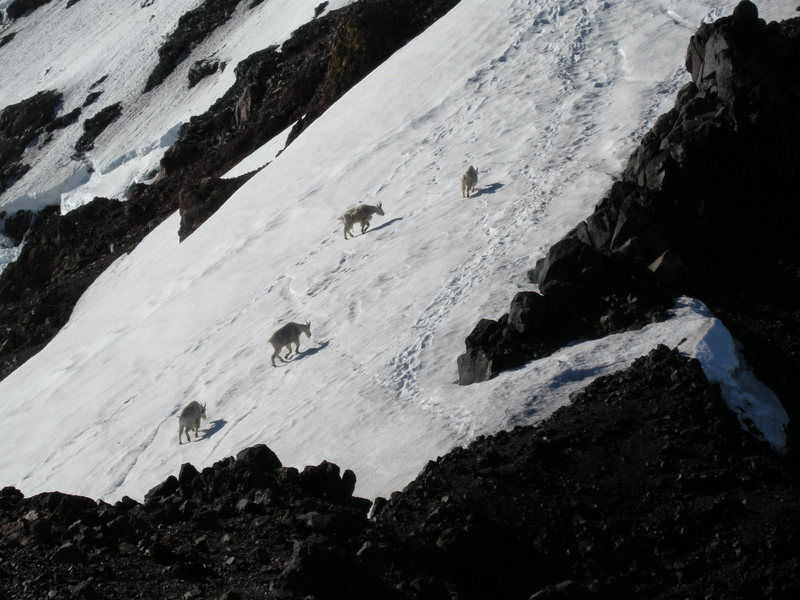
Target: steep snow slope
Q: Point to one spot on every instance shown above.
(71, 49)
(547, 98)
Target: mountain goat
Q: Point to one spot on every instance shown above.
(360, 214)
(468, 181)
(190, 419)
(286, 336)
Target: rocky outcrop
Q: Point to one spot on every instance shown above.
(20, 125)
(193, 27)
(19, 8)
(705, 207)
(95, 125)
(6, 39)
(202, 69)
(635, 490)
(276, 88)
(644, 487)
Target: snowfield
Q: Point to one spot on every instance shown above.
(547, 98)
(72, 49)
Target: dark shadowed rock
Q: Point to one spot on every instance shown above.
(6, 39)
(64, 120)
(714, 175)
(203, 68)
(19, 8)
(166, 488)
(566, 590)
(20, 125)
(95, 125)
(320, 8)
(67, 506)
(68, 553)
(193, 27)
(260, 456)
(92, 97)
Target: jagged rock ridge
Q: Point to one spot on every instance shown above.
(18, 8)
(20, 125)
(193, 27)
(644, 487)
(704, 208)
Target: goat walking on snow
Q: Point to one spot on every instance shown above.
(286, 336)
(190, 419)
(468, 181)
(360, 214)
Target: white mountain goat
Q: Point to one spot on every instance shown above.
(468, 181)
(190, 419)
(286, 336)
(360, 214)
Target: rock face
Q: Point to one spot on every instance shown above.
(203, 68)
(6, 39)
(20, 125)
(645, 487)
(193, 27)
(706, 207)
(94, 126)
(18, 8)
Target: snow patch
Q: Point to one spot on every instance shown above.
(758, 408)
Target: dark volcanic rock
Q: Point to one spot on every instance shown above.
(95, 125)
(20, 125)
(193, 27)
(64, 120)
(7, 38)
(16, 225)
(705, 207)
(92, 97)
(19, 8)
(320, 8)
(203, 68)
(644, 487)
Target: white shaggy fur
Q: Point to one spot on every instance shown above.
(468, 181)
(286, 336)
(190, 419)
(360, 214)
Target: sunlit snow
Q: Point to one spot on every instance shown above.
(546, 98)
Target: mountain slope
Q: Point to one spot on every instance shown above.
(546, 98)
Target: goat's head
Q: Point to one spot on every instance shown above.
(307, 328)
(203, 412)
(380, 208)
